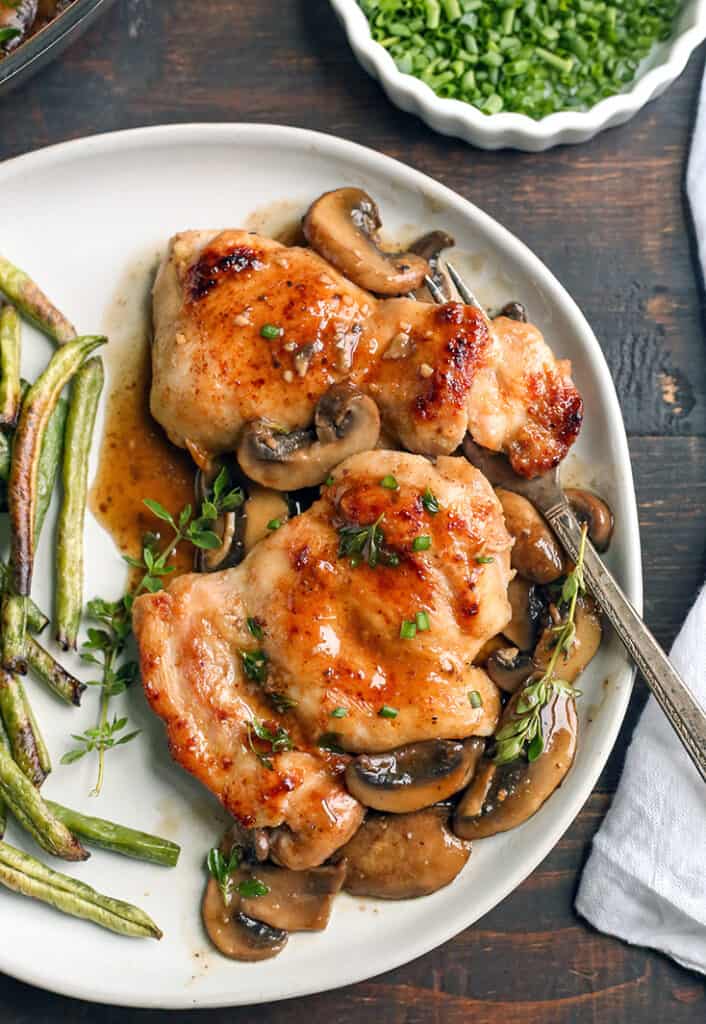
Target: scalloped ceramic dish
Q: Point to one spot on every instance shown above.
(134, 190)
(517, 131)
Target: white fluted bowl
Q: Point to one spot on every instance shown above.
(517, 131)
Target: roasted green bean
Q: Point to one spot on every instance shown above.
(19, 728)
(52, 674)
(5, 452)
(36, 619)
(33, 304)
(5, 744)
(85, 395)
(13, 618)
(27, 875)
(32, 813)
(49, 462)
(118, 838)
(36, 410)
(42, 749)
(10, 390)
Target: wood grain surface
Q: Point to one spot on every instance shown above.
(609, 218)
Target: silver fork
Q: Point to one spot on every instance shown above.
(687, 717)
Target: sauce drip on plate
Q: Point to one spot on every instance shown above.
(137, 461)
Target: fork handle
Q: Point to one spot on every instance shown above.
(687, 717)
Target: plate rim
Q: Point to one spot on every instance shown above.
(289, 137)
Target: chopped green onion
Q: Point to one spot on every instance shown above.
(328, 481)
(274, 524)
(408, 630)
(387, 712)
(422, 622)
(339, 713)
(270, 331)
(533, 57)
(430, 502)
(475, 699)
(484, 559)
(389, 483)
(421, 543)
(255, 629)
(393, 560)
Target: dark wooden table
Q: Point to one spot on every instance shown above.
(609, 218)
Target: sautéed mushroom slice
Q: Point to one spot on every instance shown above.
(402, 856)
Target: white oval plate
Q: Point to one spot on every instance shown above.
(88, 219)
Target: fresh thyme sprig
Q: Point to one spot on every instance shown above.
(523, 733)
(222, 869)
(277, 741)
(365, 544)
(105, 646)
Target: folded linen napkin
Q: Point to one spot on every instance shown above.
(645, 880)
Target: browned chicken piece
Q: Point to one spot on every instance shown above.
(246, 328)
(311, 624)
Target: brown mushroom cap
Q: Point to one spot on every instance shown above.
(297, 901)
(536, 554)
(509, 668)
(527, 611)
(413, 776)
(235, 934)
(586, 641)
(592, 510)
(502, 797)
(342, 227)
(401, 856)
(347, 422)
(430, 248)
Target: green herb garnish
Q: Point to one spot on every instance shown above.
(421, 543)
(389, 483)
(388, 712)
(523, 733)
(274, 524)
(408, 630)
(270, 331)
(430, 502)
(255, 629)
(363, 543)
(475, 699)
(484, 559)
(533, 57)
(222, 868)
(254, 665)
(421, 620)
(277, 741)
(339, 712)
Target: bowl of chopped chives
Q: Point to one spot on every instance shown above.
(523, 74)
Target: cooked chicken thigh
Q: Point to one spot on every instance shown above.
(246, 328)
(310, 624)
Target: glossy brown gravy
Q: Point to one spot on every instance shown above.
(137, 461)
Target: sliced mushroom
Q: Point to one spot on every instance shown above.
(401, 856)
(414, 776)
(235, 934)
(536, 554)
(16, 17)
(347, 422)
(263, 507)
(509, 668)
(500, 798)
(528, 609)
(592, 510)
(297, 901)
(513, 311)
(587, 640)
(342, 226)
(231, 551)
(489, 648)
(430, 248)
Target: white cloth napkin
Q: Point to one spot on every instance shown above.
(645, 880)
